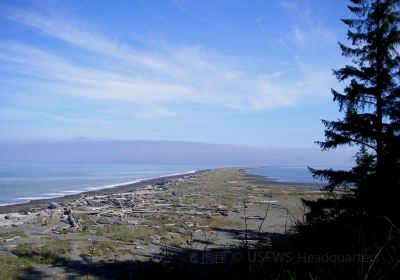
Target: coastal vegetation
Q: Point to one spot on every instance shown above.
(126, 233)
(49, 253)
(12, 234)
(13, 267)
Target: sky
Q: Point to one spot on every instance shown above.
(254, 73)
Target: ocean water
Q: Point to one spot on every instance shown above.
(23, 182)
(286, 174)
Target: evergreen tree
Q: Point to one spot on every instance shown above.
(370, 103)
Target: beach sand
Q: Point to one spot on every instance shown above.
(148, 220)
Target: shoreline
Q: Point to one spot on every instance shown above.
(121, 187)
(139, 183)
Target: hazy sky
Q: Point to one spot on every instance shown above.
(234, 72)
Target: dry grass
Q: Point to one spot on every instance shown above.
(105, 249)
(11, 234)
(49, 253)
(85, 221)
(127, 233)
(11, 267)
(216, 222)
(177, 240)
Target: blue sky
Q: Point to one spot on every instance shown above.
(254, 73)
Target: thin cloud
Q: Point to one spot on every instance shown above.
(311, 29)
(316, 32)
(52, 72)
(288, 5)
(155, 77)
(23, 114)
(78, 120)
(79, 34)
(153, 113)
(260, 25)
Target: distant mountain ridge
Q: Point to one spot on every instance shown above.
(165, 152)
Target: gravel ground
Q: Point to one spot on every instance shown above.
(151, 220)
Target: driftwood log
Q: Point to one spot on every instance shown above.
(71, 219)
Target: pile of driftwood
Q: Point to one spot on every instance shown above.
(126, 207)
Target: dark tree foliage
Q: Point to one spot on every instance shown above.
(370, 103)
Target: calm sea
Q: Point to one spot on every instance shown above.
(285, 174)
(22, 182)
